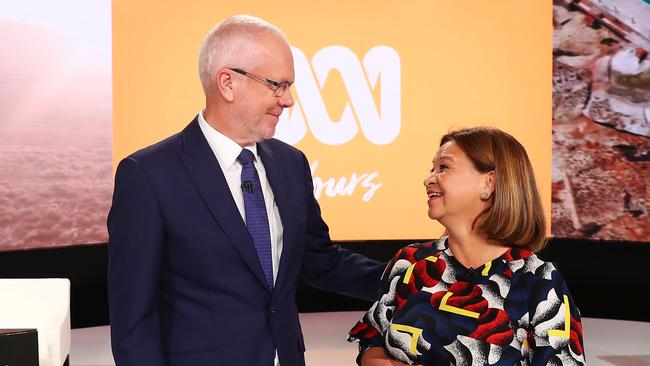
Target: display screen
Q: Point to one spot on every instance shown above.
(55, 122)
(601, 120)
(84, 84)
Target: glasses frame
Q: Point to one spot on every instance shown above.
(279, 88)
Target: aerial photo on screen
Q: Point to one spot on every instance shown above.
(601, 120)
(55, 123)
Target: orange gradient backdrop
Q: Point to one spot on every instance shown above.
(461, 64)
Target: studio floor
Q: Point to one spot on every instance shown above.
(607, 342)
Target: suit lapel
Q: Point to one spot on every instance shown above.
(203, 167)
(282, 192)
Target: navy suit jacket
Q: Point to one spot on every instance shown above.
(185, 285)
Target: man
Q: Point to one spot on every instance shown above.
(210, 228)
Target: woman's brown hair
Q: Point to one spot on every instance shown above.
(516, 217)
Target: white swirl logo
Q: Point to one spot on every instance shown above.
(379, 125)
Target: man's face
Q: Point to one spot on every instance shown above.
(257, 109)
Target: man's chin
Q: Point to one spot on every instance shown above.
(269, 129)
(266, 134)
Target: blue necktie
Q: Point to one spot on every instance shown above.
(257, 220)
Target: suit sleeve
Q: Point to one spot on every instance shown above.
(134, 268)
(330, 267)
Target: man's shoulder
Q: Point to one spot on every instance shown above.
(283, 151)
(281, 146)
(170, 146)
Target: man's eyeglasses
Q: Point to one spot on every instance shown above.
(277, 87)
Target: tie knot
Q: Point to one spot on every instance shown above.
(246, 157)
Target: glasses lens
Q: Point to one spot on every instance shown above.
(281, 89)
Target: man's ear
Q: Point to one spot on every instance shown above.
(224, 84)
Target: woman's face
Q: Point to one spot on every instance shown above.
(454, 187)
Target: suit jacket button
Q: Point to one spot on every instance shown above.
(272, 311)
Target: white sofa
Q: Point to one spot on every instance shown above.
(44, 304)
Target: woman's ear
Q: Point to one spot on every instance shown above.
(490, 182)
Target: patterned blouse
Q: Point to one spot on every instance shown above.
(513, 310)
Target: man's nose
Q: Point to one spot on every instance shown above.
(286, 100)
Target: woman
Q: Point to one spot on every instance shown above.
(478, 295)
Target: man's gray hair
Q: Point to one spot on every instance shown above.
(225, 45)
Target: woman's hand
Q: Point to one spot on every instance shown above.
(378, 356)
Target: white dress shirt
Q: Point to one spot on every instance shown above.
(226, 152)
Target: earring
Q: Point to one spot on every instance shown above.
(484, 196)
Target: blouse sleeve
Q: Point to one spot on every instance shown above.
(555, 336)
(370, 331)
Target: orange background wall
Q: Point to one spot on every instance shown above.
(461, 64)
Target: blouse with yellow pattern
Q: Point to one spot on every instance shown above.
(513, 310)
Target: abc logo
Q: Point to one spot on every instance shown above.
(380, 124)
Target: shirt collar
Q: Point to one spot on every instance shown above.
(224, 148)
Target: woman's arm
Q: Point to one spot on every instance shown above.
(378, 356)
(557, 328)
(370, 331)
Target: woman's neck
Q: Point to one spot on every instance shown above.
(473, 249)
